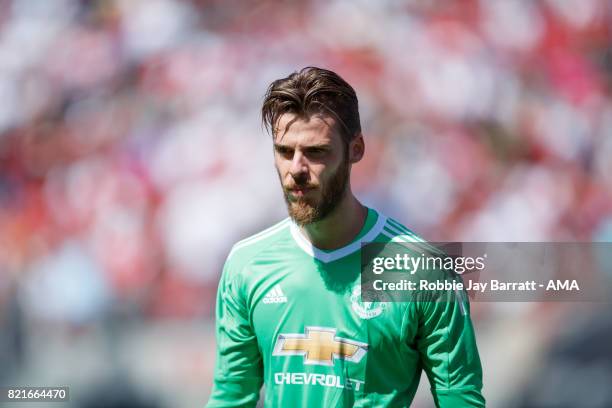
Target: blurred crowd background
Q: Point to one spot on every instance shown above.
(132, 157)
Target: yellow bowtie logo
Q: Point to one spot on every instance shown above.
(319, 346)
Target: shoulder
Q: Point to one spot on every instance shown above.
(393, 230)
(403, 240)
(246, 249)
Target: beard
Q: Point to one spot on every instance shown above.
(305, 210)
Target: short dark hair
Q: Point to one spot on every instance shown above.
(311, 91)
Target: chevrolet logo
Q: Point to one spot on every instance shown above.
(319, 346)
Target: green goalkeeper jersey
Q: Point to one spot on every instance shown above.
(290, 317)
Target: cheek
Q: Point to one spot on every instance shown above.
(282, 167)
(323, 173)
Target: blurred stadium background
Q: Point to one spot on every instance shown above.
(132, 157)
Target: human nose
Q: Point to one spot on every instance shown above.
(298, 164)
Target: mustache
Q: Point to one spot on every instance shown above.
(293, 186)
(300, 181)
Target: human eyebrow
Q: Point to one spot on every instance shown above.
(318, 148)
(282, 148)
(317, 151)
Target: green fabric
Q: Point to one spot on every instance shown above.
(371, 218)
(290, 316)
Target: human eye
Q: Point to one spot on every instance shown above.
(316, 152)
(283, 151)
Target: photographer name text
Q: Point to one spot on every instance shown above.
(493, 285)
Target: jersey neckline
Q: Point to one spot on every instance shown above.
(333, 255)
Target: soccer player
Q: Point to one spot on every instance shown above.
(289, 313)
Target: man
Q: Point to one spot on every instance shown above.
(289, 312)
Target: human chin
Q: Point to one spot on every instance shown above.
(302, 212)
(302, 209)
(310, 209)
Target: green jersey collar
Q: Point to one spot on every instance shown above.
(329, 256)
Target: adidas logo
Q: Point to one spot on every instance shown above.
(275, 295)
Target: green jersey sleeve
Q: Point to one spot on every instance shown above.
(238, 374)
(447, 345)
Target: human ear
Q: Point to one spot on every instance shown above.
(356, 149)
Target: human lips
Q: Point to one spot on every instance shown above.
(300, 191)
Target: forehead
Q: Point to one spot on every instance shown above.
(317, 129)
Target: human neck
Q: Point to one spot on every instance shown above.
(340, 227)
